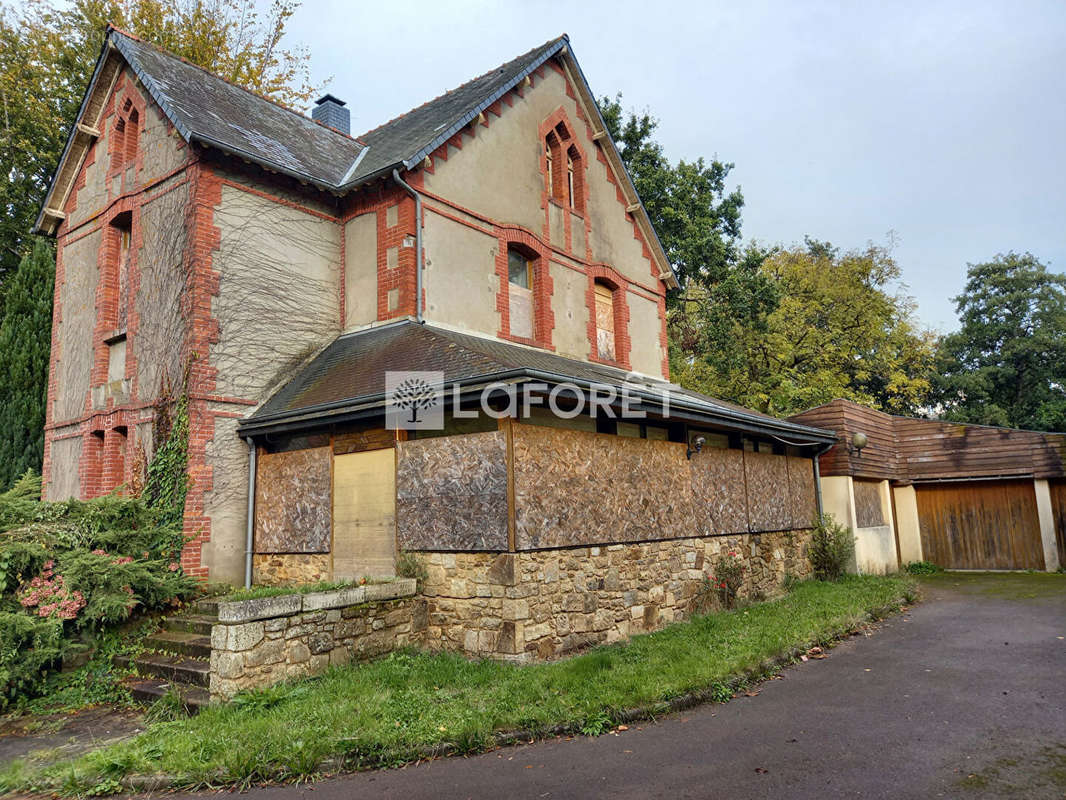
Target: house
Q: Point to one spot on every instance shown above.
(961, 496)
(279, 270)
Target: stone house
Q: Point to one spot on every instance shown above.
(278, 269)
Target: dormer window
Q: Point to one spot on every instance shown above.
(520, 292)
(124, 147)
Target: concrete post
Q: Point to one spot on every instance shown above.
(910, 536)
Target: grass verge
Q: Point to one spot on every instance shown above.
(410, 705)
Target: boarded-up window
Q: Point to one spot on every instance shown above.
(868, 510)
(520, 289)
(292, 502)
(604, 321)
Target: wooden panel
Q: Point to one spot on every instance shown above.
(364, 514)
(802, 493)
(980, 525)
(1057, 489)
(359, 441)
(292, 501)
(521, 311)
(577, 488)
(452, 492)
(769, 508)
(869, 512)
(719, 501)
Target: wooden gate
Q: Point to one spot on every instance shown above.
(980, 525)
(1057, 488)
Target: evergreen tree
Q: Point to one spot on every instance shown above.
(25, 342)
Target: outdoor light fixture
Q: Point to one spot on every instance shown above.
(857, 443)
(695, 447)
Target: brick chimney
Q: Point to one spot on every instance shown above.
(330, 111)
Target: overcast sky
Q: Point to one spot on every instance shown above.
(942, 122)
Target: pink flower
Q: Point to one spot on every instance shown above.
(173, 566)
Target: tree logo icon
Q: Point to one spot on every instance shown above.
(414, 400)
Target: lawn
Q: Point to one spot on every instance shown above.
(394, 710)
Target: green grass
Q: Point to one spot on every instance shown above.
(389, 711)
(257, 592)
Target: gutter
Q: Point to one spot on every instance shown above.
(418, 241)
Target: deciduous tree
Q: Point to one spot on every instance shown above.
(1006, 365)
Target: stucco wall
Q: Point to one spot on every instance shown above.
(361, 270)
(646, 354)
(66, 458)
(571, 336)
(278, 299)
(460, 279)
(77, 297)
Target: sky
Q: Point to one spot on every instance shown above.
(942, 125)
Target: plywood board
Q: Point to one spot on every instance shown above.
(292, 502)
(769, 508)
(719, 502)
(869, 512)
(364, 514)
(452, 492)
(802, 493)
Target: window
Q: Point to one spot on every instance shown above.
(547, 167)
(605, 322)
(124, 148)
(567, 188)
(570, 180)
(122, 229)
(116, 359)
(520, 292)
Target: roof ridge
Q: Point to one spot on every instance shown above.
(228, 82)
(461, 86)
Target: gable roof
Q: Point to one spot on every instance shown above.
(207, 109)
(348, 377)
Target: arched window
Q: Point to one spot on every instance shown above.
(566, 188)
(520, 292)
(124, 147)
(605, 333)
(547, 167)
(570, 179)
(131, 136)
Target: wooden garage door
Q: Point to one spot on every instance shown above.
(1058, 511)
(980, 525)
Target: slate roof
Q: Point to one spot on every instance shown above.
(206, 108)
(351, 371)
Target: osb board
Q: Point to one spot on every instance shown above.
(451, 492)
(292, 502)
(719, 502)
(802, 494)
(769, 506)
(578, 488)
(868, 510)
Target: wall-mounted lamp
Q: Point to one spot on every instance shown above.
(857, 443)
(695, 447)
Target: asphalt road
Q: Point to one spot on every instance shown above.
(964, 696)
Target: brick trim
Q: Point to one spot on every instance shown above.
(543, 316)
(610, 277)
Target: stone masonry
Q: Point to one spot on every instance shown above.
(258, 643)
(539, 604)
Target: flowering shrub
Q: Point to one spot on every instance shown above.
(728, 577)
(71, 568)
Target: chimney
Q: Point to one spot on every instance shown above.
(330, 111)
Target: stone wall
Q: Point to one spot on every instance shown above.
(258, 643)
(291, 569)
(540, 604)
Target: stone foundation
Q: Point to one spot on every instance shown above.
(290, 569)
(540, 604)
(258, 643)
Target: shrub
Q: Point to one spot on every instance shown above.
(728, 577)
(71, 567)
(831, 550)
(922, 568)
(409, 565)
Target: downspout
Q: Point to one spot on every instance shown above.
(418, 241)
(818, 477)
(250, 531)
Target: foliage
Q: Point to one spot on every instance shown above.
(73, 567)
(831, 549)
(26, 340)
(837, 331)
(727, 578)
(411, 565)
(167, 481)
(388, 711)
(257, 592)
(1006, 365)
(922, 568)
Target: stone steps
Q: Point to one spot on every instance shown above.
(178, 642)
(170, 667)
(192, 623)
(150, 690)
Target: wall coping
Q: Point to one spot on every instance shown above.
(286, 605)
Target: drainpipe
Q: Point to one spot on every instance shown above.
(818, 477)
(250, 532)
(418, 241)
